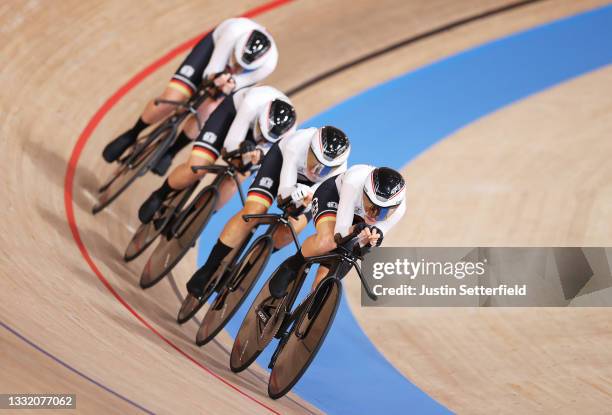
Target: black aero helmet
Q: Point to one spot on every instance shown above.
(330, 146)
(385, 187)
(250, 47)
(278, 119)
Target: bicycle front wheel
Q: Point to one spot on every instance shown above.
(169, 252)
(305, 339)
(136, 166)
(256, 332)
(146, 233)
(233, 294)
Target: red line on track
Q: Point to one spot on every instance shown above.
(71, 170)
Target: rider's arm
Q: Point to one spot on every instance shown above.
(217, 125)
(386, 225)
(288, 176)
(224, 46)
(247, 78)
(240, 126)
(349, 197)
(264, 147)
(294, 149)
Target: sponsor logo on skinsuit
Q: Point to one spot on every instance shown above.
(187, 70)
(209, 137)
(266, 182)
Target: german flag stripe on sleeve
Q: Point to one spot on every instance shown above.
(258, 197)
(204, 153)
(180, 86)
(325, 217)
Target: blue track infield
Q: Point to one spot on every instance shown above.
(390, 125)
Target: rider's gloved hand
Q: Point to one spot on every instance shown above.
(247, 146)
(370, 236)
(222, 84)
(251, 155)
(380, 235)
(221, 79)
(302, 195)
(228, 87)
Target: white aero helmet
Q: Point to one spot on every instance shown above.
(251, 47)
(276, 119)
(331, 147)
(386, 190)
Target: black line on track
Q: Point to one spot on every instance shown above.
(412, 39)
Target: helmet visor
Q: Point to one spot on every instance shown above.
(316, 167)
(276, 131)
(379, 213)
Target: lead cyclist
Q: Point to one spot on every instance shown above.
(369, 198)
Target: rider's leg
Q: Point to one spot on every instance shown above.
(191, 129)
(260, 197)
(204, 111)
(319, 243)
(151, 115)
(321, 274)
(183, 84)
(324, 207)
(212, 135)
(206, 150)
(180, 178)
(232, 236)
(164, 163)
(228, 188)
(323, 240)
(282, 237)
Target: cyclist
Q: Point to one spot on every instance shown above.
(293, 168)
(237, 53)
(251, 120)
(372, 199)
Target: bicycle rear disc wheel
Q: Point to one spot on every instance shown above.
(169, 252)
(235, 291)
(298, 352)
(134, 168)
(254, 335)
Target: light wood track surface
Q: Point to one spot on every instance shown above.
(61, 61)
(540, 177)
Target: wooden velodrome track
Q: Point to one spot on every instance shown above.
(62, 60)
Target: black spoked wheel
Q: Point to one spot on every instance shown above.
(235, 291)
(305, 338)
(181, 238)
(258, 328)
(146, 233)
(144, 157)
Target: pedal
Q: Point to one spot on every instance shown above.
(282, 330)
(280, 347)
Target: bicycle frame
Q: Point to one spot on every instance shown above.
(173, 120)
(274, 220)
(221, 173)
(333, 261)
